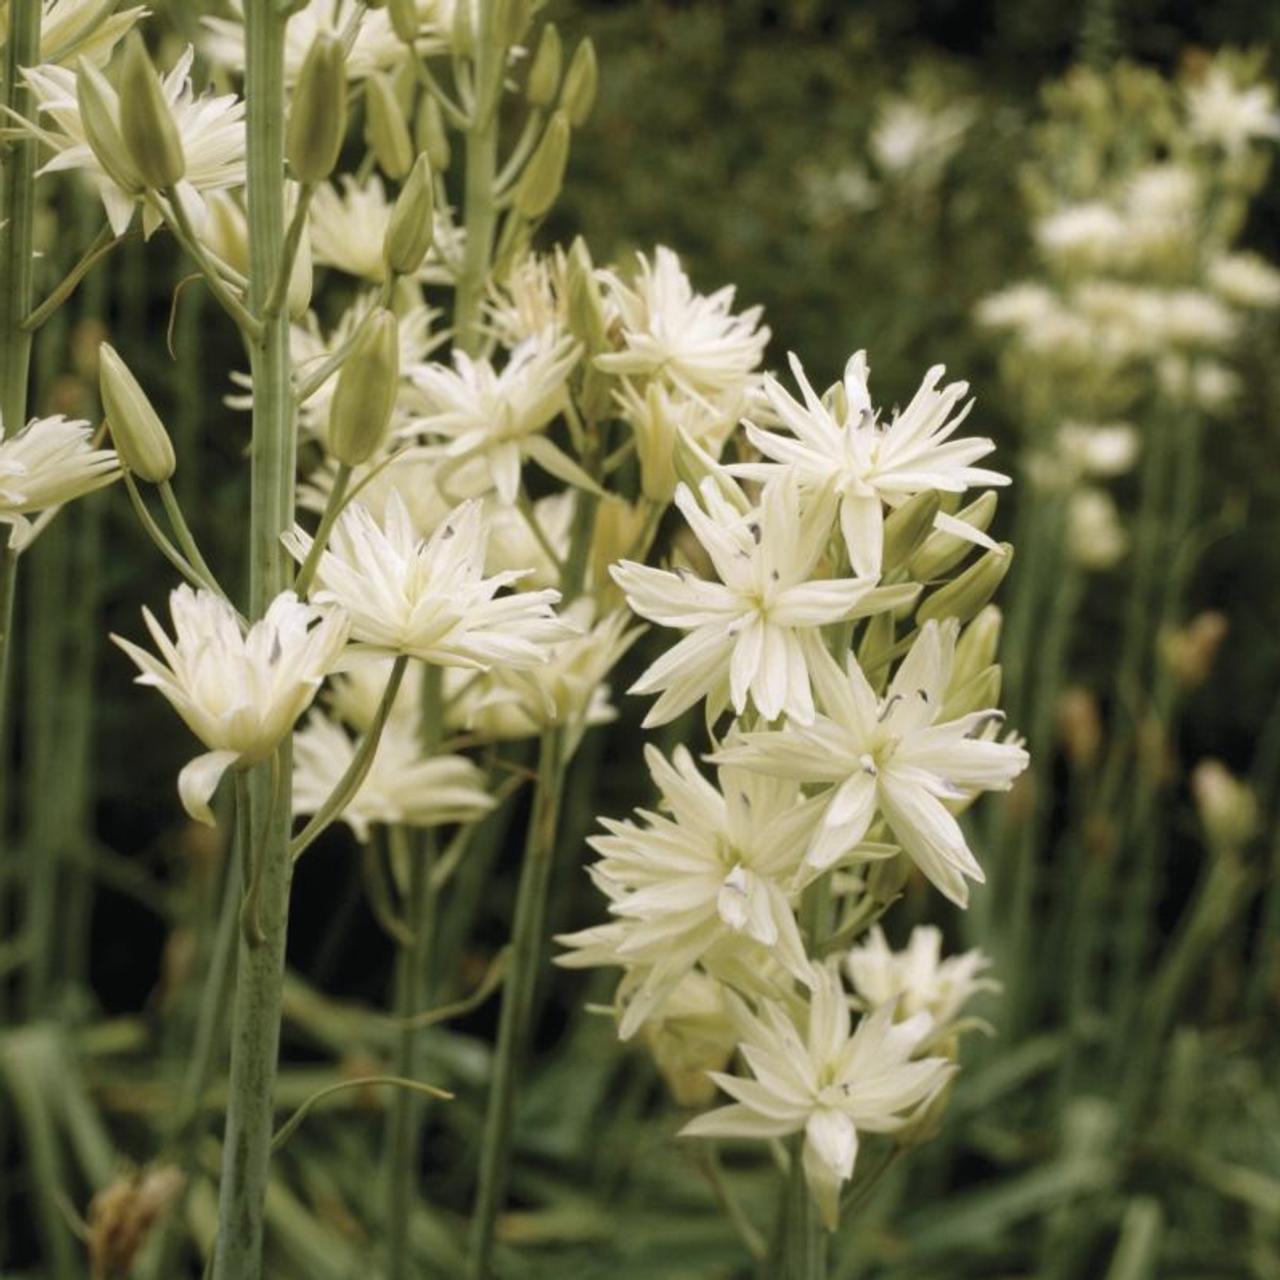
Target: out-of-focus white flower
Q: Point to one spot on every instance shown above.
(514, 545)
(75, 29)
(348, 224)
(1193, 318)
(839, 446)
(1245, 279)
(826, 1083)
(376, 46)
(832, 193)
(1229, 115)
(908, 136)
(890, 757)
(1020, 306)
(1209, 384)
(750, 634)
(1097, 449)
(917, 979)
(692, 341)
(49, 462)
(1092, 234)
(1096, 540)
(402, 785)
(500, 416)
(429, 598)
(726, 863)
(355, 694)
(693, 1033)
(211, 128)
(1162, 205)
(239, 694)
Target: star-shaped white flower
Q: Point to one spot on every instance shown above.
(240, 694)
(891, 757)
(826, 1083)
(838, 445)
(751, 635)
(429, 598)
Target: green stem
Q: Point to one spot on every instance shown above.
(517, 1005)
(255, 1036)
(186, 539)
(804, 1243)
(332, 509)
(250, 325)
(102, 245)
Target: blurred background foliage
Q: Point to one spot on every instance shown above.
(755, 139)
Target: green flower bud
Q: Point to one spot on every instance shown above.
(318, 116)
(98, 107)
(978, 645)
(963, 597)
(1227, 807)
(586, 309)
(385, 130)
(874, 650)
(544, 75)
(404, 19)
(411, 226)
(887, 877)
(301, 278)
(543, 176)
(941, 551)
(694, 464)
(366, 392)
(462, 38)
(906, 528)
(146, 120)
(141, 441)
(514, 16)
(226, 231)
(431, 135)
(978, 693)
(581, 81)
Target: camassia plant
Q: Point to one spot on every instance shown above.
(461, 453)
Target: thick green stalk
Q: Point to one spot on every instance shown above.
(803, 1241)
(255, 1036)
(517, 1003)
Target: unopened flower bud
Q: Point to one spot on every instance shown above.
(544, 73)
(581, 81)
(226, 230)
(1080, 726)
(462, 36)
(977, 693)
(97, 105)
(318, 115)
(146, 120)
(404, 19)
(1227, 807)
(887, 877)
(385, 128)
(963, 597)
(301, 278)
(1191, 651)
(411, 227)
(978, 645)
(586, 307)
(514, 17)
(906, 528)
(142, 443)
(543, 176)
(366, 392)
(941, 551)
(431, 135)
(875, 647)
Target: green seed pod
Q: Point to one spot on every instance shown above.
(963, 597)
(941, 551)
(544, 75)
(141, 441)
(97, 105)
(581, 81)
(384, 128)
(978, 645)
(318, 116)
(978, 693)
(906, 528)
(431, 135)
(366, 392)
(543, 176)
(404, 19)
(146, 120)
(411, 226)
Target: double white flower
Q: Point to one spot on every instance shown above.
(240, 694)
(753, 633)
(894, 757)
(825, 1082)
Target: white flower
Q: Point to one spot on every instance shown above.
(402, 786)
(75, 29)
(724, 866)
(1090, 235)
(1229, 115)
(49, 462)
(500, 417)
(1020, 306)
(826, 1083)
(1096, 449)
(429, 598)
(839, 446)
(1096, 540)
(355, 695)
(531, 302)
(891, 757)
(211, 128)
(239, 694)
(1193, 318)
(348, 224)
(1245, 279)
(752, 634)
(691, 341)
(909, 136)
(917, 979)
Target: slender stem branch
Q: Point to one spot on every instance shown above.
(332, 510)
(453, 112)
(163, 545)
(103, 243)
(189, 239)
(186, 539)
(521, 151)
